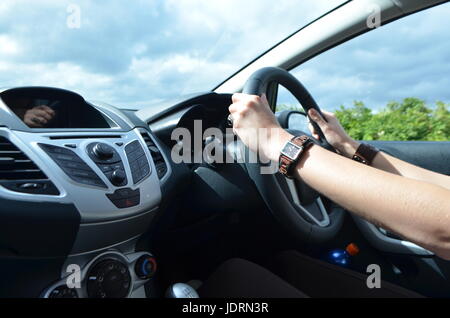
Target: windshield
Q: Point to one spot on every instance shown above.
(134, 53)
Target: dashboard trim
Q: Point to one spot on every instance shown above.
(83, 196)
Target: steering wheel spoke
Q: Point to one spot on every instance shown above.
(297, 206)
(315, 211)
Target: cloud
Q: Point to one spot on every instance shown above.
(8, 45)
(132, 53)
(408, 58)
(138, 51)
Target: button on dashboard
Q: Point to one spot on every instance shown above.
(139, 164)
(73, 165)
(125, 198)
(109, 162)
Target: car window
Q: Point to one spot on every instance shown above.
(392, 83)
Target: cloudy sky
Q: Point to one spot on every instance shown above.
(406, 58)
(132, 53)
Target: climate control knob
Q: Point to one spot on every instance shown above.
(145, 267)
(109, 279)
(103, 151)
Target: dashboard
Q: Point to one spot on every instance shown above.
(82, 183)
(78, 188)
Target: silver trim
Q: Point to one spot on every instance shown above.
(169, 168)
(128, 259)
(388, 244)
(294, 193)
(90, 201)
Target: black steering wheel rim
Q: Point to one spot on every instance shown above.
(290, 214)
(258, 84)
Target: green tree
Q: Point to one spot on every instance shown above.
(411, 119)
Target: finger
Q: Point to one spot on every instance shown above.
(237, 97)
(265, 101)
(232, 108)
(46, 109)
(43, 107)
(315, 116)
(313, 131)
(264, 98)
(237, 108)
(328, 115)
(39, 120)
(42, 113)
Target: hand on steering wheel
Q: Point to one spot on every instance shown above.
(298, 207)
(333, 132)
(251, 115)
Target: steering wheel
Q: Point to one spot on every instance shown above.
(297, 206)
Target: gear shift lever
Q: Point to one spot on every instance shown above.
(181, 291)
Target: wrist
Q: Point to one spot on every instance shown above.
(277, 140)
(349, 148)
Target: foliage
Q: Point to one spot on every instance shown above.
(411, 119)
(283, 107)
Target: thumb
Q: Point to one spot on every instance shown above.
(264, 98)
(316, 117)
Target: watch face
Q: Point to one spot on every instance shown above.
(291, 150)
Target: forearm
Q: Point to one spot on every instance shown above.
(416, 210)
(393, 165)
(390, 164)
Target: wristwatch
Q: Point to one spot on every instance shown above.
(291, 154)
(365, 154)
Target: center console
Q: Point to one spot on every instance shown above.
(111, 274)
(76, 187)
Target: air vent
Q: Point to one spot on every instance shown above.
(161, 166)
(18, 173)
(85, 137)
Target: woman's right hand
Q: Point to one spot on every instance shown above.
(38, 116)
(333, 132)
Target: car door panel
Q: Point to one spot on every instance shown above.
(431, 155)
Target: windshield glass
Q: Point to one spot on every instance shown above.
(134, 53)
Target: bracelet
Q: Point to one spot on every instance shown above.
(365, 154)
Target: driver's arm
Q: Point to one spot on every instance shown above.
(339, 139)
(417, 210)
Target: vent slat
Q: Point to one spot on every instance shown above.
(22, 175)
(17, 166)
(160, 163)
(6, 152)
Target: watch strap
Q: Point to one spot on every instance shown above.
(365, 154)
(287, 164)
